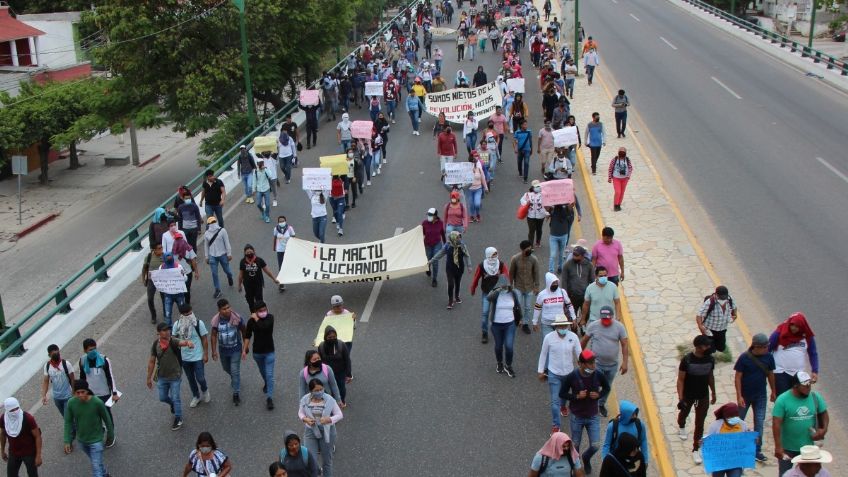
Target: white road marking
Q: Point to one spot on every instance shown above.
(833, 169)
(635, 17)
(614, 1)
(375, 292)
(726, 88)
(668, 43)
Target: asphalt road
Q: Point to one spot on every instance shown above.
(757, 142)
(426, 399)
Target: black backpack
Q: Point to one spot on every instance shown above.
(614, 438)
(546, 460)
(713, 301)
(64, 367)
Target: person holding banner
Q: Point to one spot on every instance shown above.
(170, 261)
(727, 421)
(446, 147)
(434, 238)
(619, 172)
(338, 196)
(457, 261)
(311, 112)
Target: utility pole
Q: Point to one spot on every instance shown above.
(733, 7)
(812, 23)
(576, 34)
(248, 85)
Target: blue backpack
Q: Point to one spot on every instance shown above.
(304, 454)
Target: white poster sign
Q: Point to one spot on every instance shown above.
(565, 137)
(317, 178)
(456, 103)
(169, 280)
(373, 88)
(395, 257)
(516, 85)
(459, 173)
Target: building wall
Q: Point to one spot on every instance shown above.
(57, 48)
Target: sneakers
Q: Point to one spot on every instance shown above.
(616, 208)
(288, 181)
(458, 300)
(368, 183)
(269, 403)
(217, 294)
(500, 368)
(509, 371)
(236, 399)
(267, 219)
(603, 410)
(696, 457)
(760, 457)
(554, 429)
(393, 121)
(178, 423)
(206, 396)
(485, 339)
(525, 328)
(450, 305)
(334, 220)
(434, 283)
(681, 433)
(341, 232)
(274, 203)
(194, 402)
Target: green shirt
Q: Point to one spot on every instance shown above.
(89, 418)
(600, 296)
(799, 416)
(170, 366)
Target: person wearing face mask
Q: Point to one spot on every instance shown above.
(189, 213)
(522, 142)
(320, 413)
(189, 328)
(96, 370)
(546, 143)
(295, 459)
(19, 428)
(577, 274)
(474, 190)
(214, 194)
(695, 382)
(446, 147)
(165, 368)
(337, 356)
(536, 213)
(218, 251)
(550, 303)
(227, 338)
(560, 350)
(524, 274)
(270, 160)
(561, 217)
(282, 233)
(583, 388)
(343, 133)
(206, 460)
(262, 181)
(455, 264)
(604, 337)
(727, 422)
(260, 327)
(799, 418)
(250, 277)
(315, 368)
(793, 345)
(619, 172)
(504, 313)
(246, 166)
(490, 141)
(627, 460)
(434, 238)
(595, 139)
(456, 216)
(58, 373)
(286, 155)
(487, 274)
(169, 299)
(627, 423)
(557, 458)
(469, 131)
(716, 313)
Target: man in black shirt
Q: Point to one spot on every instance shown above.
(213, 194)
(695, 382)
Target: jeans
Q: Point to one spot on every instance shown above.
(504, 334)
(471, 140)
(373, 113)
(280, 257)
(94, 452)
(368, 161)
(195, 374)
(443, 160)
(784, 465)
(702, 405)
(555, 383)
(213, 266)
(61, 404)
(619, 185)
(169, 300)
(470, 50)
(338, 206)
(13, 465)
(169, 393)
(528, 300)
(319, 226)
(319, 445)
(609, 372)
(620, 122)
(390, 108)
(217, 210)
(247, 182)
(345, 145)
(759, 404)
(263, 203)
(493, 164)
(484, 316)
(413, 116)
(590, 73)
(286, 166)
(265, 363)
(232, 366)
(593, 430)
(557, 244)
(151, 297)
(474, 199)
(438, 65)
(523, 159)
(451, 228)
(375, 161)
(431, 251)
(569, 87)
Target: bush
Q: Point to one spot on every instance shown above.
(725, 357)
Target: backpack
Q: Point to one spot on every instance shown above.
(304, 454)
(614, 438)
(64, 367)
(713, 301)
(546, 460)
(323, 371)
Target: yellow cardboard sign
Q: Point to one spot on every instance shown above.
(343, 325)
(337, 163)
(265, 143)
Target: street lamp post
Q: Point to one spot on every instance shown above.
(248, 85)
(576, 32)
(812, 24)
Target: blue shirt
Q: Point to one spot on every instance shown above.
(196, 353)
(229, 338)
(524, 139)
(412, 103)
(753, 378)
(555, 468)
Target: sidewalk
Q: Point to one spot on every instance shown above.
(70, 187)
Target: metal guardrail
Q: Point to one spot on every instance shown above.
(98, 269)
(806, 52)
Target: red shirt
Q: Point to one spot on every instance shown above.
(447, 144)
(24, 443)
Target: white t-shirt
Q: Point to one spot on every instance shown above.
(792, 358)
(318, 209)
(503, 310)
(281, 239)
(59, 380)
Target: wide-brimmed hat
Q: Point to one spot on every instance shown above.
(562, 320)
(812, 455)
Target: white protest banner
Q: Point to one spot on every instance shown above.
(373, 88)
(169, 280)
(361, 129)
(565, 137)
(456, 103)
(309, 97)
(439, 31)
(317, 178)
(516, 85)
(557, 192)
(395, 257)
(459, 173)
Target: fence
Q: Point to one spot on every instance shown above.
(58, 302)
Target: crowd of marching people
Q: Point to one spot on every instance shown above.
(573, 303)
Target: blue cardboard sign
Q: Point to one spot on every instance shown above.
(729, 451)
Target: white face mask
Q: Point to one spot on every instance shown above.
(430, 218)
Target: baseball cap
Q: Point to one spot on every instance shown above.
(760, 339)
(242, 147)
(606, 312)
(721, 292)
(336, 300)
(586, 355)
(802, 378)
(431, 211)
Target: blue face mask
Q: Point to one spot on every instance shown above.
(562, 331)
(734, 421)
(602, 280)
(92, 354)
(187, 201)
(317, 394)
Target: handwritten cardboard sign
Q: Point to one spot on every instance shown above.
(309, 97)
(459, 173)
(361, 129)
(565, 137)
(516, 85)
(373, 88)
(557, 192)
(169, 280)
(317, 178)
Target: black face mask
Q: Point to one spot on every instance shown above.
(554, 287)
(250, 255)
(316, 364)
(54, 357)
